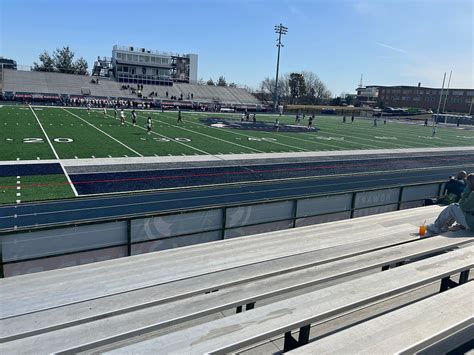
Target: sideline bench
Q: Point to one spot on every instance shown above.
(89, 306)
(428, 325)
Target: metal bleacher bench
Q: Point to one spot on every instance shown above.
(124, 304)
(428, 326)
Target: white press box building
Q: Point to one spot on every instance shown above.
(140, 65)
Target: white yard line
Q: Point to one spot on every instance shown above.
(108, 135)
(206, 135)
(273, 142)
(162, 136)
(56, 155)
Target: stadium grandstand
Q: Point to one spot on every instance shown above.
(159, 79)
(31, 85)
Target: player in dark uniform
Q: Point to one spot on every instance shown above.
(276, 125)
(352, 118)
(134, 117)
(344, 119)
(310, 122)
(115, 112)
(254, 119)
(179, 115)
(426, 122)
(375, 121)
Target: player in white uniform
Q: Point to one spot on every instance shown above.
(149, 124)
(122, 117)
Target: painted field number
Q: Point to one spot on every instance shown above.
(35, 140)
(261, 139)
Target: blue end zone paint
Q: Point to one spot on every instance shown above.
(97, 183)
(258, 125)
(30, 169)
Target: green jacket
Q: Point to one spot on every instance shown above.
(467, 206)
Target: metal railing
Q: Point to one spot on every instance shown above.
(224, 229)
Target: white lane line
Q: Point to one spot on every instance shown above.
(56, 155)
(108, 135)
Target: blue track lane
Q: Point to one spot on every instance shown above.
(30, 215)
(30, 169)
(98, 183)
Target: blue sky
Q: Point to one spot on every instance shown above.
(392, 42)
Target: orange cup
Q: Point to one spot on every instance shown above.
(422, 231)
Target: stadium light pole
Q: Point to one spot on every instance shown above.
(280, 30)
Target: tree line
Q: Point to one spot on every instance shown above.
(304, 88)
(61, 61)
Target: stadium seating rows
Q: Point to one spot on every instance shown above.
(297, 277)
(68, 84)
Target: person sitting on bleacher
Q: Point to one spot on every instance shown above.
(461, 213)
(454, 188)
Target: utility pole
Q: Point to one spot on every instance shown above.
(447, 90)
(440, 98)
(470, 106)
(280, 30)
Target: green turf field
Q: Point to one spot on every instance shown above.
(43, 133)
(34, 188)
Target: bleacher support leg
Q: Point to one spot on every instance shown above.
(463, 277)
(248, 307)
(447, 283)
(303, 338)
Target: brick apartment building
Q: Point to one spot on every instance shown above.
(458, 100)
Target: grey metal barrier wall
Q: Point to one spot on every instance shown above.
(62, 246)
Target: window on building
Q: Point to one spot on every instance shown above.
(129, 57)
(470, 93)
(406, 92)
(135, 57)
(468, 101)
(416, 98)
(457, 92)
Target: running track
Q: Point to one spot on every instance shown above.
(31, 215)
